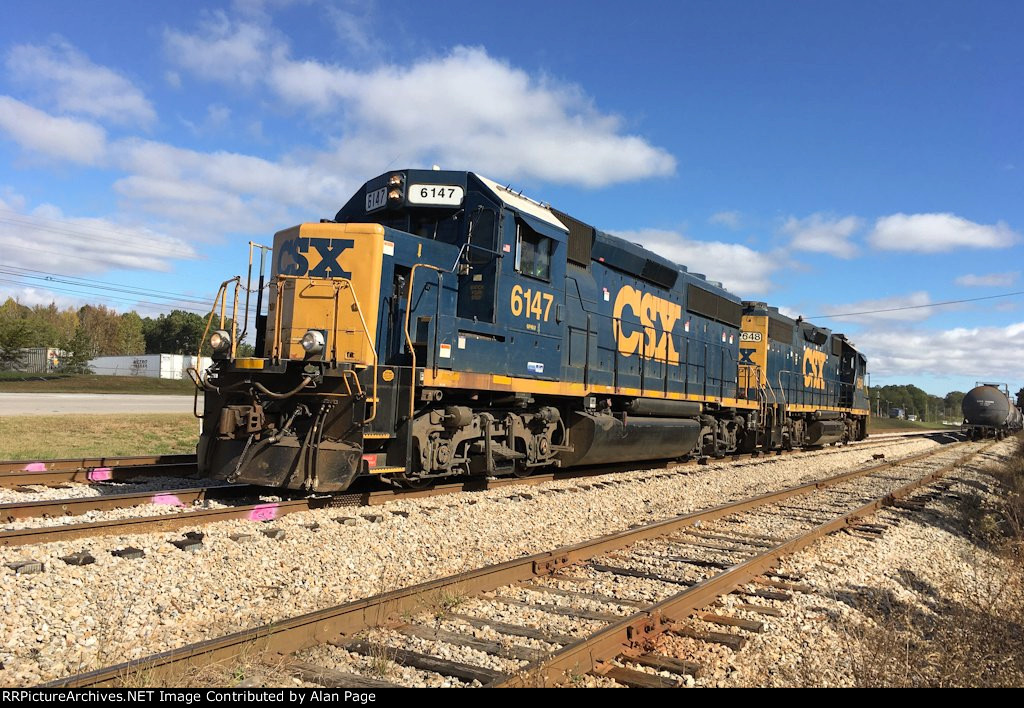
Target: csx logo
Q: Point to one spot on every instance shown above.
(814, 369)
(649, 309)
(294, 256)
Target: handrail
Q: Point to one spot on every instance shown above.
(220, 297)
(408, 337)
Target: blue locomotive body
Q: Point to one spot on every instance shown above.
(456, 327)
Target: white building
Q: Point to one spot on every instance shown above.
(157, 366)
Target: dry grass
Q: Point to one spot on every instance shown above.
(59, 436)
(970, 631)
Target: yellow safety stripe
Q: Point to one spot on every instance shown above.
(495, 382)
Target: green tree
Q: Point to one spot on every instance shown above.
(78, 351)
(15, 336)
(130, 339)
(179, 332)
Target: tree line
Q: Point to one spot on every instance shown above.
(90, 331)
(924, 405)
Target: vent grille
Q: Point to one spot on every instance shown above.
(780, 331)
(581, 238)
(716, 307)
(659, 274)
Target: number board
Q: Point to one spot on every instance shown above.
(376, 200)
(435, 194)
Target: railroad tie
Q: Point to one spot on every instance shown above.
(766, 594)
(630, 572)
(637, 679)
(780, 585)
(733, 641)
(558, 610)
(659, 662)
(507, 651)
(425, 662)
(730, 539)
(332, 678)
(604, 599)
(513, 630)
(759, 609)
(723, 620)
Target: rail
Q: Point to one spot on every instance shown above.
(342, 623)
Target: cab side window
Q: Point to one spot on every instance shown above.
(533, 254)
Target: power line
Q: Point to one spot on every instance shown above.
(917, 307)
(160, 305)
(106, 285)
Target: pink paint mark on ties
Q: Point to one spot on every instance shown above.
(263, 512)
(166, 499)
(34, 467)
(101, 474)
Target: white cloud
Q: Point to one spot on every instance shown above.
(935, 233)
(974, 353)
(992, 280)
(72, 83)
(223, 50)
(730, 219)
(742, 270)
(822, 233)
(899, 308)
(45, 239)
(462, 110)
(58, 138)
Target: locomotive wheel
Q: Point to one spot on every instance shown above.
(521, 471)
(413, 482)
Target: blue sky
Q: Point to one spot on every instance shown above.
(829, 158)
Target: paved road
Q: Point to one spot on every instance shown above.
(56, 403)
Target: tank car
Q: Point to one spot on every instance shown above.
(989, 412)
(442, 324)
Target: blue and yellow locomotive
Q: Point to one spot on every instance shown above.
(442, 324)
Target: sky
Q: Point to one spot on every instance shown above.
(832, 159)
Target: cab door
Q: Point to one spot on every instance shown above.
(478, 263)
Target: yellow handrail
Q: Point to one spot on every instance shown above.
(408, 337)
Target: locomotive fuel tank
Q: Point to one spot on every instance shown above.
(604, 439)
(987, 406)
(825, 432)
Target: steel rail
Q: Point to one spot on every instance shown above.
(73, 506)
(17, 473)
(629, 634)
(294, 634)
(265, 511)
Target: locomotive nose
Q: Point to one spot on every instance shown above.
(325, 292)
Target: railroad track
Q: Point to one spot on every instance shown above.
(263, 511)
(15, 474)
(616, 595)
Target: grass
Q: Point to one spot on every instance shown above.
(12, 382)
(893, 425)
(60, 436)
(977, 641)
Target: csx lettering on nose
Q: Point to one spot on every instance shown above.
(294, 257)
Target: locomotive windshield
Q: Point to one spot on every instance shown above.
(445, 225)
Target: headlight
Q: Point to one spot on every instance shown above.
(220, 341)
(313, 341)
